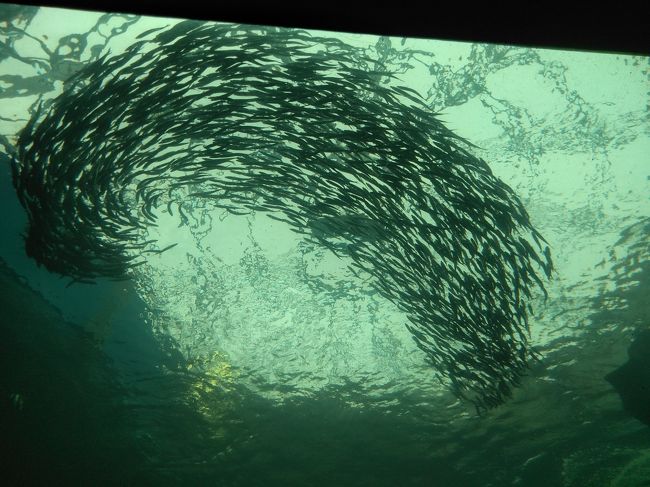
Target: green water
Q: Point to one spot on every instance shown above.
(246, 355)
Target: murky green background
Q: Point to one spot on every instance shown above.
(244, 357)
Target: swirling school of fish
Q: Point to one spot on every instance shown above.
(257, 119)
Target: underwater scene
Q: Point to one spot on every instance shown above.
(244, 255)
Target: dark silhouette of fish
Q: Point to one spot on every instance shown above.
(632, 379)
(258, 119)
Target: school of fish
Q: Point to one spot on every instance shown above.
(301, 127)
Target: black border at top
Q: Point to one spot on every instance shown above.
(598, 26)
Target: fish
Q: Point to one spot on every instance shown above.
(630, 380)
(247, 118)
